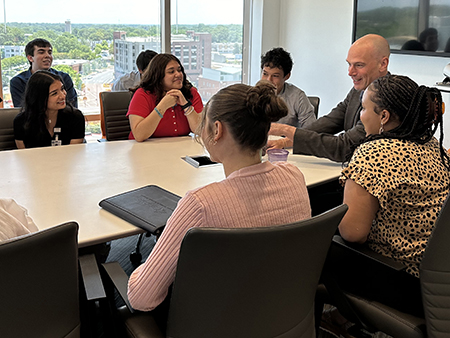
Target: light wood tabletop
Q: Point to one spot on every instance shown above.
(60, 184)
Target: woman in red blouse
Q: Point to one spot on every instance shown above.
(165, 103)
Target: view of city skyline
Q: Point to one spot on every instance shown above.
(96, 44)
(210, 63)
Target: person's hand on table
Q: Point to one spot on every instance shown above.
(279, 129)
(279, 144)
(276, 129)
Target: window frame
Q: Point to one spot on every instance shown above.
(166, 38)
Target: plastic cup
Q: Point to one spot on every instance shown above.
(276, 155)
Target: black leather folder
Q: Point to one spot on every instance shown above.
(148, 207)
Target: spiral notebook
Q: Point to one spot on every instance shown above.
(148, 207)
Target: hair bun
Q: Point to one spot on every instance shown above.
(263, 102)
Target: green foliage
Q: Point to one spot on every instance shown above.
(219, 33)
(84, 34)
(14, 61)
(66, 42)
(440, 10)
(11, 66)
(93, 127)
(237, 49)
(76, 78)
(101, 46)
(391, 22)
(44, 34)
(87, 41)
(13, 36)
(60, 56)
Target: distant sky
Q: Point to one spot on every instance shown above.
(121, 11)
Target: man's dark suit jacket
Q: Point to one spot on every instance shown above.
(319, 137)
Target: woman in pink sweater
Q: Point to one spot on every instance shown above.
(234, 129)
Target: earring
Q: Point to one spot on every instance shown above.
(381, 131)
(214, 143)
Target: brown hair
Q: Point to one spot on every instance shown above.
(152, 79)
(247, 112)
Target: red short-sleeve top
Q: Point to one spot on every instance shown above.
(174, 123)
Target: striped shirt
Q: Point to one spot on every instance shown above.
(260, 195)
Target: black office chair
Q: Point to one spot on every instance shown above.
(7, 115)
(116, 127)
(315, 100)
(256, 282)
(434, 281)
(39, 284)
(113, 110)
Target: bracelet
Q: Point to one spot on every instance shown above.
(188, 104)
(189, 111)
(160, 115)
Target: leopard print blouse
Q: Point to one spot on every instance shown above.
(411, 184)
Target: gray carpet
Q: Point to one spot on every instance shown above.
(122, 248)
(119, 252)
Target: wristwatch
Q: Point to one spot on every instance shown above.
(188, 104)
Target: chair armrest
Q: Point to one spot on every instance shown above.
(138, 324)
(364, 250)
(91, 277)
(120, 280)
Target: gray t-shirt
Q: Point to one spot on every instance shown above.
(301, 111)
(127, 81)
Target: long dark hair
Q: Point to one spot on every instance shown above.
(247, 111)
(419, 110)
(152, 79)
(35, 100)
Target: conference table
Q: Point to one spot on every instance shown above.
(66, 183)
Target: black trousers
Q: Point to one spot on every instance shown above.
(369, 279)
(325, 196)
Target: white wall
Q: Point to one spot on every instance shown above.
(265, 34)
(425, 71)
(318, 34)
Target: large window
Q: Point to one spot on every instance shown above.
(97, 41)
(94, 41)
(207, 38)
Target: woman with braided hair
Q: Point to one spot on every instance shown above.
(394, 185)
(234, 128)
